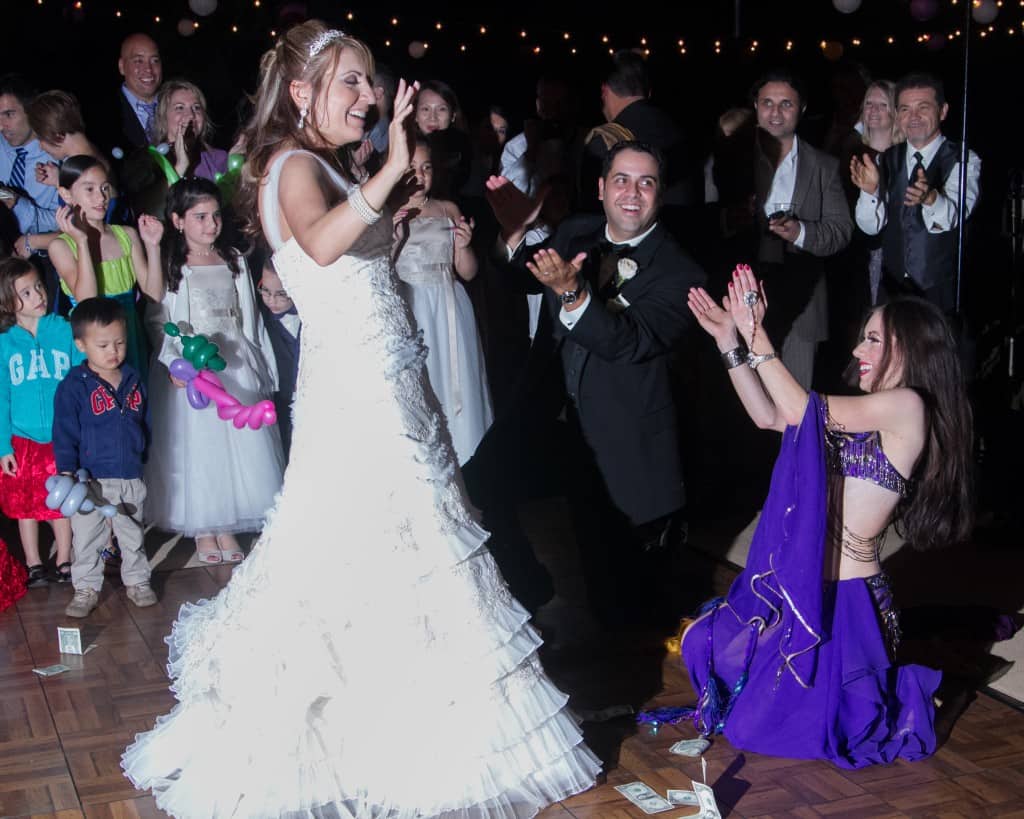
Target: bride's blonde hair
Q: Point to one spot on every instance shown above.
(308, 52)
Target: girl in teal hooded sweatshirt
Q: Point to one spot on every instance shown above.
(36, 352)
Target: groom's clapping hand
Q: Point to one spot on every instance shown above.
(551, 270)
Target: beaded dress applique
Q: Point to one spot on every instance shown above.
(859, 455)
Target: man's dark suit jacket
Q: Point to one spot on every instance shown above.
(132, 135)
(647, 123)
(613, 365)
(794, 287)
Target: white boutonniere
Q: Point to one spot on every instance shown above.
(627, 269)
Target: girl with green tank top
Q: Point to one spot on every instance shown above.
(97, 259)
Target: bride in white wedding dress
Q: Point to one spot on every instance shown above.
(367, 659)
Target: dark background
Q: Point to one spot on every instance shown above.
(74, 46)
(71, 45)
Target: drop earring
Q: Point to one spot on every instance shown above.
(302, 117)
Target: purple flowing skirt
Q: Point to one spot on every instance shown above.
(861, 708)
(788, 665)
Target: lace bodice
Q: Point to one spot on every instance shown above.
(350, 305)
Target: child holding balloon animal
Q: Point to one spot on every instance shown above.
(209, 479)
(100, 424)
(36, 352)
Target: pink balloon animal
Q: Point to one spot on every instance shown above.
(204, 386)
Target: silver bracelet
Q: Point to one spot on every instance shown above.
(757, 360)
(734, 357)
(364, 210)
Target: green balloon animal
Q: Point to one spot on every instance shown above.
(198, 350)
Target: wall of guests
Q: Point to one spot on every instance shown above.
(841, 192)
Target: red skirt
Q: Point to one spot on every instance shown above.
(23, 497)
(13, 578)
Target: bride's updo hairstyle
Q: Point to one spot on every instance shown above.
(308, 52)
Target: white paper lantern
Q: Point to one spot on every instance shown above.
(203, 7)
(846, 6)
(186, 27)
(417, 49)
(985, 12)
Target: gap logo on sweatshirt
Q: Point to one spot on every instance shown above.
(53, 364)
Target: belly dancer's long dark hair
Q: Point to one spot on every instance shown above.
(939, 509)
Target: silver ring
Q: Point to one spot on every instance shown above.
(751, 297)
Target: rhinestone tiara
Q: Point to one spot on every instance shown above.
(321, 41)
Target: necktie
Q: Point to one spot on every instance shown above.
(18, 169)
(918, 163)
(147, 110)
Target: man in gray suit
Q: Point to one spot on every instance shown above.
(802, 216)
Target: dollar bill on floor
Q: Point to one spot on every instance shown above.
(644, 797)
(51, 670)
(690, 747)
(69, 640)
(680, 797)
(708, 804)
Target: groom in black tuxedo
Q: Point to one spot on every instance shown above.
(615, 289)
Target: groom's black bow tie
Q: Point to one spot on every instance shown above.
(610, 255)
(607, 248)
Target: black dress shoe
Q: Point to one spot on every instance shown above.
(37, 576)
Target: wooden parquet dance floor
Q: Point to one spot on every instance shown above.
(61, 737)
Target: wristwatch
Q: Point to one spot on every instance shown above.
(570, 296)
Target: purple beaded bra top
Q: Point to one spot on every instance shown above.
(859, 455)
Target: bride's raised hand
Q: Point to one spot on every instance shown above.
(399, 153)
(715, 319)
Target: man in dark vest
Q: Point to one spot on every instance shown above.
(911, 197)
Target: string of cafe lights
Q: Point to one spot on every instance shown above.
(419, 37)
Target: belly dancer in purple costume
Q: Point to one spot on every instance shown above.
(797, 660)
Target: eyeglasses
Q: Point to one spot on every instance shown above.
(273, 294)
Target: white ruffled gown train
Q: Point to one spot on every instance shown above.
(367, 659)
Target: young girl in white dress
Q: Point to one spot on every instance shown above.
(432, 241)
(206, 478)
(290, 681)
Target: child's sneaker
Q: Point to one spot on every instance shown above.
(82, 604)
(141, 595)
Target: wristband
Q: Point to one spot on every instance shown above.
(733, 358)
